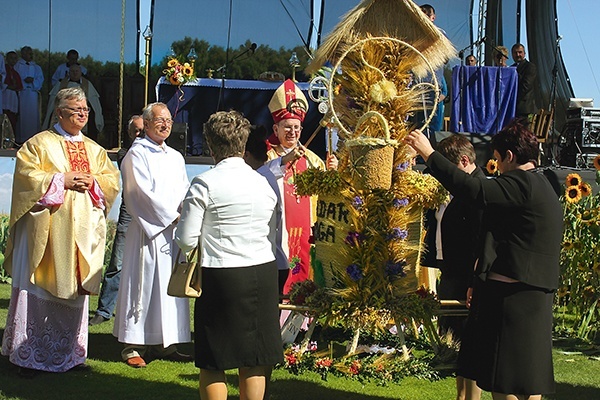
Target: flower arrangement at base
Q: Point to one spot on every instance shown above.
(579, 290)
(381, 368)
(179, 73)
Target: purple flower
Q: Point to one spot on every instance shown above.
(398, 203)
(354, 272)
(353, 239)
(403, 166)
(357, 202)
(393, 269)
(398, 233)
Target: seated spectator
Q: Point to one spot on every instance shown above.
(75, 79)
(62, 71)
(500, 56)
(471, 61)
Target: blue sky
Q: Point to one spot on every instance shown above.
(94, 27)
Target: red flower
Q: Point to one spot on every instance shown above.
(355, 367)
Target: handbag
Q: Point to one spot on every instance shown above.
(186, 276)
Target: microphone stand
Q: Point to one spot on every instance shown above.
(223, 70)
(552, 105)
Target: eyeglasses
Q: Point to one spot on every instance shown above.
(292, 128)
(80, 110)
(161, 120)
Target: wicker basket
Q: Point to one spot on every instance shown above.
(372, 166)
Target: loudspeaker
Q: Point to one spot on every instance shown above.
(178, 137)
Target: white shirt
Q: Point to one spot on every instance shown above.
(62, 71)
(231, 209)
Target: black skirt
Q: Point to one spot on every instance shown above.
(236, 319)
(468, 355)
(514, 330)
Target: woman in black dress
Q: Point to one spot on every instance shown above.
(520, 261)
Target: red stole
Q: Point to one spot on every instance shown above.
(79, 162)
(13, 78)
(78, 158)
(298, 224)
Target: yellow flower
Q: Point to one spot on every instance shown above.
(172, 62)
(492, 166)
(188, 71)
(573, 194)
(568, 245)
(573, 180)
(597, 162)
(585, 189)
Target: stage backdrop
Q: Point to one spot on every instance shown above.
(193, 103)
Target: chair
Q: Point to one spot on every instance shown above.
(540, 126)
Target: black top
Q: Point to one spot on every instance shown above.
(523, 221)
(461, 235)
(527, 72)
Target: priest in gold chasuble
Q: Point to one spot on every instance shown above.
(64, 185)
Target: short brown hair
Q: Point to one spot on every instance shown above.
(517, 138)
(454, 147)
(226, 133)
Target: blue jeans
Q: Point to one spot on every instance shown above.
(112, 276)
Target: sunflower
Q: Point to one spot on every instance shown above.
(492, 166)
(188, 71)
(568, 245)
(573, 194)
(172, 62)
(597, 162)
(173, 80)
(573, 180)
(585, 189)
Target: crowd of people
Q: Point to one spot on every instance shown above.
(21, 80)
(496, 242)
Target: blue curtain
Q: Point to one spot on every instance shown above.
(483, 98)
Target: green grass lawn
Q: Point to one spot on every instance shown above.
(577, 376)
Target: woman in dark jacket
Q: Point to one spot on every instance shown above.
(520, 261)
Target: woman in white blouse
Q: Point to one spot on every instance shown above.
(229, 211)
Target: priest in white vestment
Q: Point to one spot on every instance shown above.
(29, 98)
(76, 79)
(64, 185)
(149, 321)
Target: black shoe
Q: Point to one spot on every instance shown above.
(97, 320)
